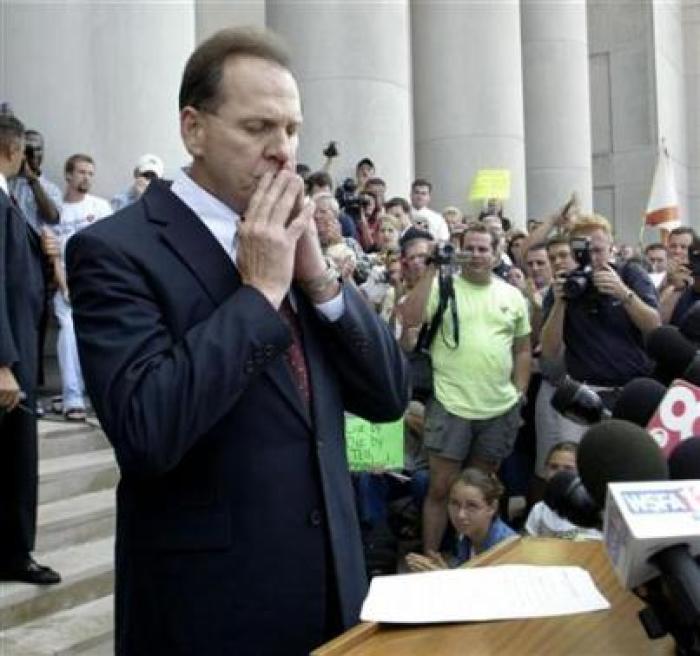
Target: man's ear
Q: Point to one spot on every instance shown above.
(192, 130)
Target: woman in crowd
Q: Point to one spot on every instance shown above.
(472, 507)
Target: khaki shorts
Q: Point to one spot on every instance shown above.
(456, 438)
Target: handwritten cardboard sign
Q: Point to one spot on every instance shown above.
(373, 446)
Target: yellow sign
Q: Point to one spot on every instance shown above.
(490, 183)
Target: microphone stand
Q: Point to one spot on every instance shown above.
(673, 600)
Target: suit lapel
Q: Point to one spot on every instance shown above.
(183, 231)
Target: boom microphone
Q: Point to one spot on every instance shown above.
(676, 357)
(684, 461)
(618, 451)
(567, 497)
(639, 400)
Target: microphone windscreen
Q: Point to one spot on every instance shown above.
(557, 488)
(672, 352)
(617, 451)
(684, 461)
(639, 400)
(690, 324)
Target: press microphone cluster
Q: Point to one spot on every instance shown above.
(651, 524)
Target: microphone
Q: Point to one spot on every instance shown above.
(684, 461)
(617, 450)
(676, 357)
(578, 402)
(690, 324)
(566, 496)
(639, 400)
(677, 417)
(649, 525)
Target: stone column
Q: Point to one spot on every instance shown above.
(468, 100)
(352, 62)
(557, 106)
(214, 15)
(99, 78)
(691, 41)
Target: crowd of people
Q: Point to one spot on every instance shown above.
(181, 310)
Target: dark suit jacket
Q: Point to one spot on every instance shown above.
(233, 501)
(21, 294)
(21, 303)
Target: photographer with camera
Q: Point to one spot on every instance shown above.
(679, 274)
(37, 197)
(481, 366)
(690, 293)
(599, 312)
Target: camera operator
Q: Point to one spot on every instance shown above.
(481, 368)
(37, 197)
(690, 293)
(600, 313)
(679, 276)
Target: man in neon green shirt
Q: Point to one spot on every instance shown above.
(481, 372)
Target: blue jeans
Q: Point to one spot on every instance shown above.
(374, 492)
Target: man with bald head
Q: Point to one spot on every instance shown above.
(220, 350)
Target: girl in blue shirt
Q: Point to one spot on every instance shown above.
(472, 507)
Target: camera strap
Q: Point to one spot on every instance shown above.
(429, 331)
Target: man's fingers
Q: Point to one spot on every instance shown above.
(261, 193)
(288, 206)
(300, 223)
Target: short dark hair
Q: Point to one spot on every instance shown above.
(481, 229)
(682, 230)
(421, 182)
(537, 246)
(411, 235)
(319, 179)
(558, 240)
(655, 247)
(69, 166)
(11, 132)
(363, 161)
(397, 201)
(201, 80)
(375, 181)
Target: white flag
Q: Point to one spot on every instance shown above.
(662, 208)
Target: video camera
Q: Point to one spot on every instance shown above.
(443, 255)
(349, 200)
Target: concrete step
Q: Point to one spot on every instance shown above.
(75, 520)
(74, 474)
(87, 572)
(82, 630)
(61, 438)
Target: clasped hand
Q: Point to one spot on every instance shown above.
(278, 239)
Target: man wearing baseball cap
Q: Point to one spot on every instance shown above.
(147, 168)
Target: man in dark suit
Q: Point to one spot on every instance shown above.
(219, 353)
(21, 301)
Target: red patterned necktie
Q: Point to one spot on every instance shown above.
(295, 353)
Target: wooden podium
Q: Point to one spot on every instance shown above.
(608, 632)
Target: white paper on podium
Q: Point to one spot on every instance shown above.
(479, 594)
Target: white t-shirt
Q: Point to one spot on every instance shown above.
(437, 226)
(543, 522)
(76, 216)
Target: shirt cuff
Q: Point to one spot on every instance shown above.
(332, 310)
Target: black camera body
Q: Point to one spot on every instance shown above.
(579, 282)
(348, 198)
(694, 261)
(444, 255)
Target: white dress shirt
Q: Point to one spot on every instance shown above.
(223, 222)
(3, 184)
